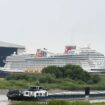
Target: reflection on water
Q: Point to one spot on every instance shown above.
(4, 100)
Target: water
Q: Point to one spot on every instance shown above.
(4, 100)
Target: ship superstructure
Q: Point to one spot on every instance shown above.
(90, 60)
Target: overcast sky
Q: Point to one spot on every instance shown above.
(52, 24)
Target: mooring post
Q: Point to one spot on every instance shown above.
(87, 93)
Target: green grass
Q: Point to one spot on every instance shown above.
(50, 103)
(66, 83)
(61, 84)
(55, 102)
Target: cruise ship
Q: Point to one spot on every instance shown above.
(90, 60)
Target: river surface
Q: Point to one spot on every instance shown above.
(4, 100)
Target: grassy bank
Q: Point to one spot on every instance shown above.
(61, 84)
(67, 84)
(55, 103)
(19, 81)
(69, 77)
(9, 84)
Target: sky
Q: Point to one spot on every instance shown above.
(52, 24)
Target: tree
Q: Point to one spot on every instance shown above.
(52, 70)
(74, 72)
(95, 78)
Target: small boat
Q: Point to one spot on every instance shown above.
(33, 93)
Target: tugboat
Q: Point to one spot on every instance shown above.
(33, 93)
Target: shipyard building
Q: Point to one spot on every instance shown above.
(7, 49)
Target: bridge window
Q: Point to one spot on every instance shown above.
(37, 94)
(40, 94)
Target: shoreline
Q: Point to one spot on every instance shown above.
(3, 91)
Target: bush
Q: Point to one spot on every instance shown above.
(23, 76)
(74, 72)
(47, 78)
(95, 78)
